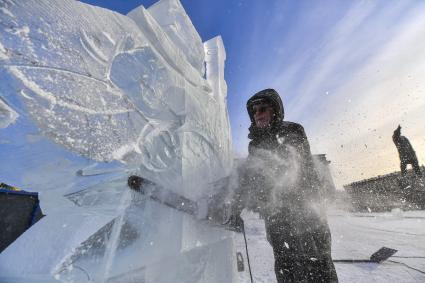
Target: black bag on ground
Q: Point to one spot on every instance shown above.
(18, 211)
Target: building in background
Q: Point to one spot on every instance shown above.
(325, 176)
(387, 192)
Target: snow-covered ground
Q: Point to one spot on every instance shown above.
(354, 236)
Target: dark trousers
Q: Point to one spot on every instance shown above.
(414, 164)
(302, 258)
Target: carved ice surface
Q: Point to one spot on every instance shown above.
(101, 96)
(7, 115)
(172, 18)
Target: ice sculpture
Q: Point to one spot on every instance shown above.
(7, 115)
(90, 96)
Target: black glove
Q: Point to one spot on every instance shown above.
(235, 223)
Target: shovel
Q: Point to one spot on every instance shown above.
(379, 256)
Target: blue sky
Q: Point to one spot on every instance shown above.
(349, 71)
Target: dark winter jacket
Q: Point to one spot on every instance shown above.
(405, 150)
(279, 181)
(279, 171)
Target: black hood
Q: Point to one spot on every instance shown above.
(271, 96)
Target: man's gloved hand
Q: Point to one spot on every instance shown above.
(235, 223)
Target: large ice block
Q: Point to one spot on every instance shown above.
(215, 57)
(173, 19)
(7, 115)
(99, 96)
(168, 49)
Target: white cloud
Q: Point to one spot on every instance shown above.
(386, 90)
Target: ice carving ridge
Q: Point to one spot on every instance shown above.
(116, 94)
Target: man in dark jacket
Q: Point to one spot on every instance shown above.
(406, 153)
(279, 181)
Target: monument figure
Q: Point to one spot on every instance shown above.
(406, 152)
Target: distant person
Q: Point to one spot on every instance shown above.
(406, 153)
(279, 181)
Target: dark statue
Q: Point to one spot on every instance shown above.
(406, 153)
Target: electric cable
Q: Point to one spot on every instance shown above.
(408, 266)
(352, 261)
(246, 249)
(392, 261)
(408, 256)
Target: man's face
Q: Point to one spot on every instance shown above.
(263, 115)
